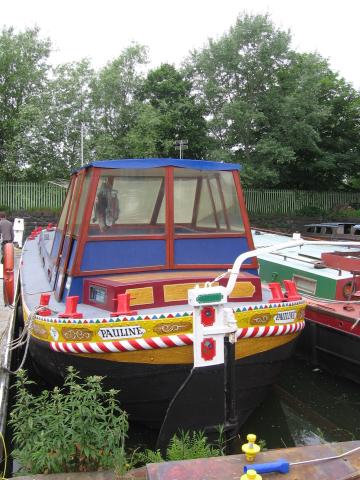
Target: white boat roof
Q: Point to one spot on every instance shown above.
(304, 257)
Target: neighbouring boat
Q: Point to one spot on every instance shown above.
(333, 230)
(107, 290)
(328, 277)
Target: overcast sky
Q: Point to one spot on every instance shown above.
(101, 29)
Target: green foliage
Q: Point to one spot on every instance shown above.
(115, 110)
(184, 446)
(284, 115)
(23, 69)
(168, 112)
(81, 430)
(310, 211)
(245, 97)
(345, 213)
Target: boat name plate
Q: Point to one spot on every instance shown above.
(121, 332)
(286, 316)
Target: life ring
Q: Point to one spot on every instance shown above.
(8, 266)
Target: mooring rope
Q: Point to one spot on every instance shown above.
(23, 339)
(5, 457)
(328, 300)
(335, 457)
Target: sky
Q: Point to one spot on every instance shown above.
(101, 29)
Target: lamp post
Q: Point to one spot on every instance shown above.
(181, 145)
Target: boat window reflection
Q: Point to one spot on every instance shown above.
(130, 202)
(206, 202)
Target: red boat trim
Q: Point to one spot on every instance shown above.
(332, 319)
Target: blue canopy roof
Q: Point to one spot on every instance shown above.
(144, 163)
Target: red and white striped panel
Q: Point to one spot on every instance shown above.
(167, 342)
(269, 330)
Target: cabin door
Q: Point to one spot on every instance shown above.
(67, 241)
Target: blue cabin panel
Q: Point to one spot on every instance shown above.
(109, 255)
(212, 251)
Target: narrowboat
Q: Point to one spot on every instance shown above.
(106, 290)
(328, 277)
(333, 230)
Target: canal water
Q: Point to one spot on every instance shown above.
(307, 406)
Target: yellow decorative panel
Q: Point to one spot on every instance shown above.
(141, 296)
(243, 289)
(179, 291)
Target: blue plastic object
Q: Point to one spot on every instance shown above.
(279, 466)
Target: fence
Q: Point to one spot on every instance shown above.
(25, 196)
(288, 201)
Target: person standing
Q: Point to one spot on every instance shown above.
(6, 231)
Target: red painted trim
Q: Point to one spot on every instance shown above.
(210, 235)
(213, 204)
(74, 211)
(90, 273)
(82, 235)
(139, 226)
(332, 320)
(65, 227)
(159, 200)
(218, 181)
(124, 238)
(245, 217)
(216, 266)
(199, 183)
(169, 222)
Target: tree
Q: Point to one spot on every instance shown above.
(168, 112)
(113, 102)
(23, 69)
(48, 142)
(312, 135)
(285, 116)
(231, 75)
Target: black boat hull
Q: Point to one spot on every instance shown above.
(146, 390)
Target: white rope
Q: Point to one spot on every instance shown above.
(326, 458)
(23, 339)
(328, 300)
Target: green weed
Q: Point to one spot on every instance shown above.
(81, 429)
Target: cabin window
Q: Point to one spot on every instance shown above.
(97, 294)
(205, 202)
(82, 203)
(305, 284)
(62, 219)
(129, 202)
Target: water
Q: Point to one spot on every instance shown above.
(308, 406)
